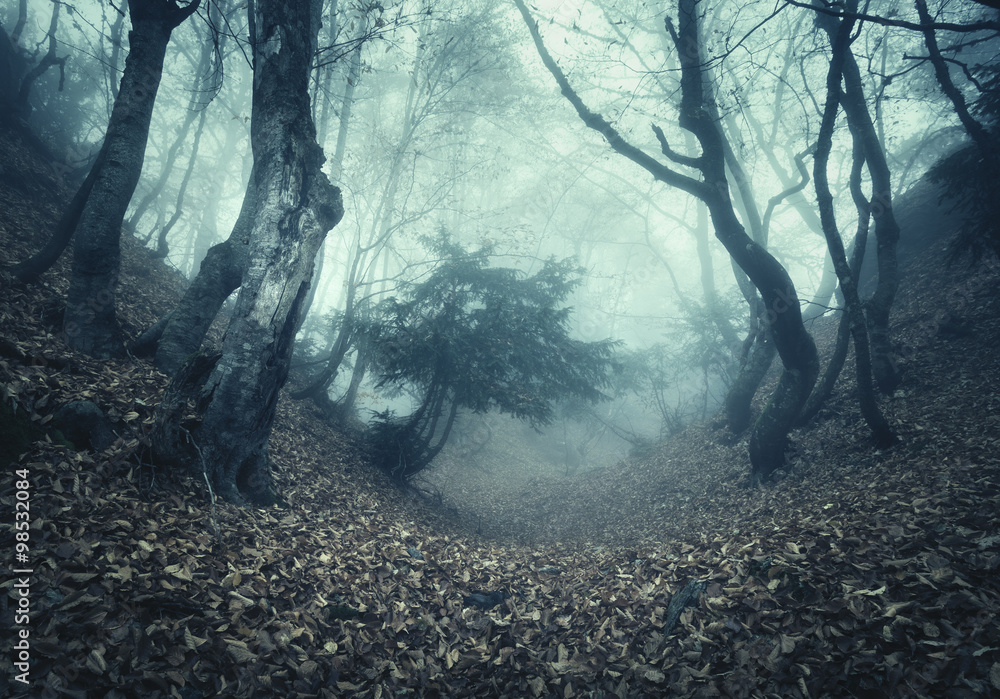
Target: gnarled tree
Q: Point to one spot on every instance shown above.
(860, 122)
(295, 208)
(781, 312)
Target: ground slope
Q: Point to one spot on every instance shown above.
(858, 574)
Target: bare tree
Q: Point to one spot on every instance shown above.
(295, 208)
(860, 122)
(90, 322)
(847, 277)
(783, 316)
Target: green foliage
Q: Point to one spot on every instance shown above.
(482, 338)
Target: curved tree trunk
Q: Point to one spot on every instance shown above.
(30, 270)
(296, 206)
(782, 313)
(346, 404)
(824, 387)
(760, 350)
(220, 275)
(886, 228)
(90, 323)
(758, 360)
(768, 440)
(848, 284)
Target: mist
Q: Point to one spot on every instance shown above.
(602, 275)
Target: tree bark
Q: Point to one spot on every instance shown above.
(90, 323)
(848, 279)
(220, 274)
(759, 357)
(859, 120)
(296, 207)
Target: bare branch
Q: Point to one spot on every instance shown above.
(678, 158)
(598, 123)
(885, 21)
(794, 189)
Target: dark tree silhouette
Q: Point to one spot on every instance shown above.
(845, 274)
(481, 338)
(90, 323)
(783, 316)
(859, 120)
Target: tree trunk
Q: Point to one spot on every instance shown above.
(848, 284)
(220, 275)
(90, 323)
(196, 108)
(886, 229)
(768, 440)
(30, 270)
(296, 206)
(758, 360)
(794, 345)
(361, 361)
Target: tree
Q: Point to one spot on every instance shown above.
(847, 276)
(482, 338)
(49, 60)
(450, 58)
(90, 323)
(295, 208)
(179, 334)
(859, 121)
(970, 175)
(782, 314)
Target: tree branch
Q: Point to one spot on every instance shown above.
(794, 189)
(885, 21)
(598, 123)
(679, 158)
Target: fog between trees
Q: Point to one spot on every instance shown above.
(707, 168)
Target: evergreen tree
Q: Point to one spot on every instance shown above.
(481, 338)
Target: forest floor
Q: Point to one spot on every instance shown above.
(857, 573)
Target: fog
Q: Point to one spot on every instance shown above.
(441, 119)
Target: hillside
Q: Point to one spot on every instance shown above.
(856, 574)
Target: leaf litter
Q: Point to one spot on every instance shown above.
(858, 574)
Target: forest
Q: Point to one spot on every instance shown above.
(604, 348)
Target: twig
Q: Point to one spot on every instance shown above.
(208, 482)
